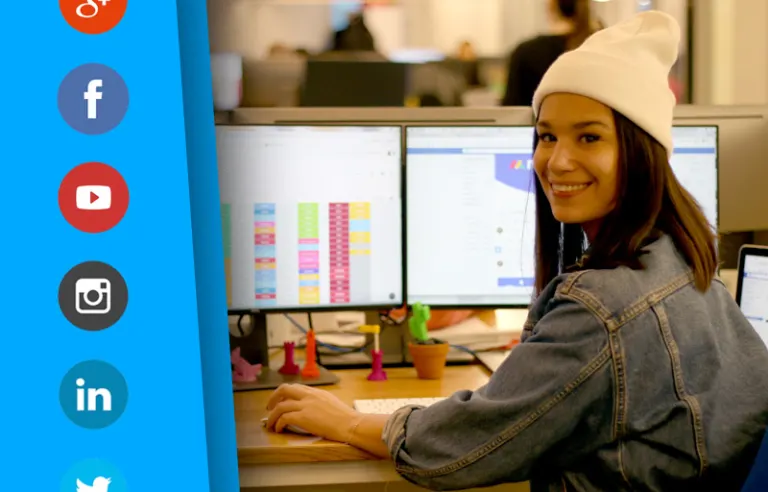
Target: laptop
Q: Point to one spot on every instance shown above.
(752, 287)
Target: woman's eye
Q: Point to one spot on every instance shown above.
(546, 137)
(590, 138)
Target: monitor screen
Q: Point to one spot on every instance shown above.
(753, 292)
(312, 216)
(694, 162)
(470, 216)
(471, 209)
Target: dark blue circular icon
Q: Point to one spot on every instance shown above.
(93, 99)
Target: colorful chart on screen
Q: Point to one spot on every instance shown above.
(312, 216)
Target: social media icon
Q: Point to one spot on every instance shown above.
(93, 394)
(93, 197)
(93, 296)
(93, 16)
(93, 95)
(93, 475)
(100, 484)
(93, 99)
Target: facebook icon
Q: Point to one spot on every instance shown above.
(93, 99)
(92, 95)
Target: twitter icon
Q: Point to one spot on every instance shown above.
(93, 475)
(100, 484)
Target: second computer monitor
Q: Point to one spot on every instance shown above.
(471, 224)
(312, 216)
(470, 215)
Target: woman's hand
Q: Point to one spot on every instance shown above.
(316, 411)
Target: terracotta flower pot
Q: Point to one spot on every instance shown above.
(429, 359)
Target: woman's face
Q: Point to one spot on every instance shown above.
(576, 159)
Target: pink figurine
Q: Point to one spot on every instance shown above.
(377, 369)
(243, 371)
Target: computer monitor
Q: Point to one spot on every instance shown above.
(312, 216)
(354, 83)
(695, 163)
(469, 216)
(470, 209)
(752, 287)
(742, 145)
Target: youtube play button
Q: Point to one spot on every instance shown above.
(93, 197)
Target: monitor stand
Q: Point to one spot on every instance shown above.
(255, 349)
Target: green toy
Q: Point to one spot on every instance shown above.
(418, 323)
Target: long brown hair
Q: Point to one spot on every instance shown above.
(578, 12)
(651, 202)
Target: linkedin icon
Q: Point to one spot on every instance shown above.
(93, 296)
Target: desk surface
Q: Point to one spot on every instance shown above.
(257, 446)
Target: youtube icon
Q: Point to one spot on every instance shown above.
(93, 197)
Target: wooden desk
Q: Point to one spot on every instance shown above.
(269, 459)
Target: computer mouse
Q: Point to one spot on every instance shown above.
(290, 428)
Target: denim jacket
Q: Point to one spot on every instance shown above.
(624, 380)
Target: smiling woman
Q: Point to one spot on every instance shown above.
(636, 369)
(576, 159)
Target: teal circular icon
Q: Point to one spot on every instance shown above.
(93, 475)
(93, 394)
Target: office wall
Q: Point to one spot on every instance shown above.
(250, 27)
(731, 52)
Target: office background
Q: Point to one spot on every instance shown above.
(722, 79)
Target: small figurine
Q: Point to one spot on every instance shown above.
(418, 323)
(377, 368)
(311, 371)
(290, 367)
(242, 370)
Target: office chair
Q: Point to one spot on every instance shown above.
(757, 480)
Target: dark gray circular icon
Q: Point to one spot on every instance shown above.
(93, 99)
(93, 296)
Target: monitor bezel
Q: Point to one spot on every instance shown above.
(471, 306)
(340, 307)
(744, 251)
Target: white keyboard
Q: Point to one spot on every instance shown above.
(389, 405)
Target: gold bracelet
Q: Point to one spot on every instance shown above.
(352, 430)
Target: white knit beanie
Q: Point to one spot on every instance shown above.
(626, 67)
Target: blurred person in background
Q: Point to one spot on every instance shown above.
(572, 25)
(355, 37)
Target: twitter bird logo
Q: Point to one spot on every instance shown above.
(93, 475)
(100, 484)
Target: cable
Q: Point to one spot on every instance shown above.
(465, 349)
(240, 326)
(334, 348)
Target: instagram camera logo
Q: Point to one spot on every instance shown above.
(93, 296)
(93, 394)
(93, 99)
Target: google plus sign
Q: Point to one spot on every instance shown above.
(90, 8)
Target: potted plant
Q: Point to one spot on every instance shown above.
(429, 354)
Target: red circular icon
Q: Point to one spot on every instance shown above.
(93, 16)
(93, 197)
